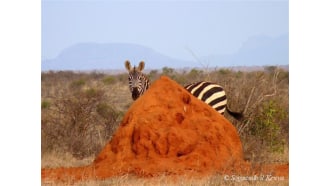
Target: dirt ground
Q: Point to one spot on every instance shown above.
(168, 131)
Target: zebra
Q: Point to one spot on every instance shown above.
(210, 93)
(137, 81)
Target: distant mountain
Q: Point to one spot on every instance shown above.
(256, 51)
(90, 56)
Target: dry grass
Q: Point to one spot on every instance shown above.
(53, 159)
(182, 180)
(168, 181)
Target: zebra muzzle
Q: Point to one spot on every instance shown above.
(135, 93)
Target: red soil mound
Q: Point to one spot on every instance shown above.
(167, 130)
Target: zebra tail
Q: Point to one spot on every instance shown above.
(237, 115)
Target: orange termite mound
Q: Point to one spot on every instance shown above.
(165, 131)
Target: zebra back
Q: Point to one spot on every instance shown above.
(211, 93)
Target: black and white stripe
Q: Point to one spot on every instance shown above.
(213, 95)
(137, 81)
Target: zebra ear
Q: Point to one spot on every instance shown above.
(128, 65)
(141, 66)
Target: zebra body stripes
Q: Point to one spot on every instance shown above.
(213, 95)
(210, 93)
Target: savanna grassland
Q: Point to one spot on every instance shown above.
(81, 111)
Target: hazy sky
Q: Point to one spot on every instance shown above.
(173, 28)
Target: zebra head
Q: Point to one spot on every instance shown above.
(137, 81)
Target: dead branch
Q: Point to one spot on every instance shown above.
(259, 100)
(262, 97)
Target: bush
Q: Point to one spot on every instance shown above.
(110, 116)
(109, 80)
(45, 104)
(78, 83)
(79, 121)
(266, 126)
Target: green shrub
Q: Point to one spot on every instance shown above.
(109, 80)
(267, 128)
(153, 74)
(78, 83)
(45, 104)
(224, 71)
